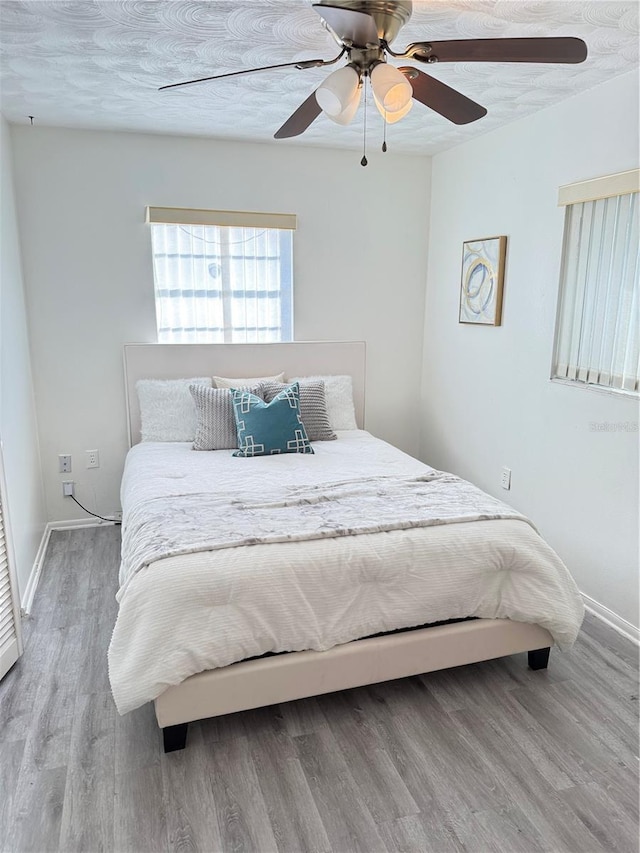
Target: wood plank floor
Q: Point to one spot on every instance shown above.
(488, 757)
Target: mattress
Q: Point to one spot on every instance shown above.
(183, 614)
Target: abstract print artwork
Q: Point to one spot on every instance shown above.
(482, 280)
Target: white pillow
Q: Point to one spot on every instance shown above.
(167, 410)
(225, 382)
(338, 392)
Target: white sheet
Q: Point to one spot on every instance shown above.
(183, 614)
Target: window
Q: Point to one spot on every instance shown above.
(598, 329)
(222, 276)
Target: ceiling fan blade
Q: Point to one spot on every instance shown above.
(305, 63)
(301, 119)
(349, 25)
(442, 98)
(552, 49)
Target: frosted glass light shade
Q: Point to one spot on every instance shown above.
(347, 114)
(390, 87)
(392, 118)
(337, 91)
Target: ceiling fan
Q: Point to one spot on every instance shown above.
(364, 30)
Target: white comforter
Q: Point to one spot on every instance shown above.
(186, 613)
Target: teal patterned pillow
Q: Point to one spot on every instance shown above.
(268, 428)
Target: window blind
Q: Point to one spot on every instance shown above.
(598, 331)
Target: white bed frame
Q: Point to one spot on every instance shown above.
(294, 675)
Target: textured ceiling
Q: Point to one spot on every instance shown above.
(98, 64)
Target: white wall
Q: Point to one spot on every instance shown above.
(360, 260)
(25, 496)
(487, 399)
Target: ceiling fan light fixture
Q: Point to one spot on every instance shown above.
(392, 118)
(347, 114)
(364, 30)
(390, 87)
(336, 94)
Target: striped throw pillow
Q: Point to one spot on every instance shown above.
(313, 407)
(216, 424)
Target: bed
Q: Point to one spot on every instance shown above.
(210, 625)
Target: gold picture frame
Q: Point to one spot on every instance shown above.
(482, 281)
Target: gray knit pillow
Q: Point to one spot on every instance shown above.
(313, 407)
(216, 425)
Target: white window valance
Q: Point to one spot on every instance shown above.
(225, 218)
(622, 183)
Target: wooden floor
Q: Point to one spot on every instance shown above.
(488, 757)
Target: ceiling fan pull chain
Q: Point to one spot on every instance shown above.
(384, 138)
(364, 160)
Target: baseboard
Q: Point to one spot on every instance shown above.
(612, 619)
(34, 576)
(75, 523)
(30, 590)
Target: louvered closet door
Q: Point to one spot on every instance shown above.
(9, 644)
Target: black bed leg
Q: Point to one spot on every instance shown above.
(175, 737)
(539, 658)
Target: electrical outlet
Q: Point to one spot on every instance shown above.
(505, 479)
(93, 459)
(64, 463)
(67, 488)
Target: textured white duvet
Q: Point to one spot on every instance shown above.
(183, 614)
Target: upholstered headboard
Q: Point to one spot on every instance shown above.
(304, 358)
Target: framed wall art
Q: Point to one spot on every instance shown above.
(482, 281)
